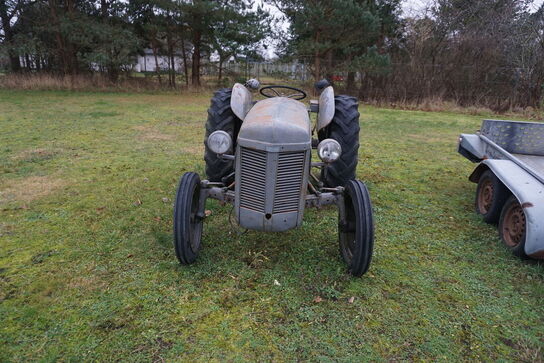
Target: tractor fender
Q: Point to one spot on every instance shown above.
(241, 100)
(326, 108)
(530, 193)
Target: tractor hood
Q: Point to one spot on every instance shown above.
(276, 124)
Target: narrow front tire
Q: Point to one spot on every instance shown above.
(187, 221)
(356, 230)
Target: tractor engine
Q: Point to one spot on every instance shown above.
(272, 165)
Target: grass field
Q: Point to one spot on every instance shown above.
(88, 271)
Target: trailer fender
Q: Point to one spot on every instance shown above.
(477, 173)
(471, 147)
(530, 193)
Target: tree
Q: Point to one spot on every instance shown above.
(238, 30)
(8, 9)
(339, 35)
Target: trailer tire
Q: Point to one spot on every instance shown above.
(220, 117)
(343, 128)
(513, 227)
(491, 195)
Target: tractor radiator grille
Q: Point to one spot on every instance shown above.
(289, 176)
(289, 181)
(252, 179)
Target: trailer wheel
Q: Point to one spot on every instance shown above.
(513, 226)
(356, 231)
(187, 223)
(491, 194)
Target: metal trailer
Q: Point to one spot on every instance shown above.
(510, 178)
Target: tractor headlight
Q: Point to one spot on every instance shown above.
(329, 150)
(219, 142)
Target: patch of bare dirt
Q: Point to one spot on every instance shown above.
(36, 154)
(149, 133)
(29, 189)
(425, 138)
(195, 149)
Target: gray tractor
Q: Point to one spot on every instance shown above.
(259, 159)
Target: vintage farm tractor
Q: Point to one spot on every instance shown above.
(258, 158)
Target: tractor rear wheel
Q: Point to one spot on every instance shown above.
(343, 128)
(220, 117)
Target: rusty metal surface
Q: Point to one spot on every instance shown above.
(514, 152)
(530, 193)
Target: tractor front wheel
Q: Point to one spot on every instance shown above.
(187, 221)
(356, 228)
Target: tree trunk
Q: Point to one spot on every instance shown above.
(156, 62)
(5, 21)
(317, 60)
(104, 8)
(71, 52)
(27, 62)
(184, 55)
(330, 70)
(350, 83)
(171, 65)
(195, 76)
(220, 75)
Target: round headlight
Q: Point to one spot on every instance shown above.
(219, 142)
(329, 150)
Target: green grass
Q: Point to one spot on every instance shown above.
(88, 271)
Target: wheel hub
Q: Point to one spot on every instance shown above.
(485, 198)
(514, 226)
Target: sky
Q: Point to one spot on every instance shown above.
(413, 7)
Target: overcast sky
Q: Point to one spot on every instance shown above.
(417, 6)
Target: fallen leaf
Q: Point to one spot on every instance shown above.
(318, 299)
(130, 255)
(158, 219)
(138, 202)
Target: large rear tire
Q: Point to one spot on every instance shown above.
(343, 128)
(356, 232)
(220, 117)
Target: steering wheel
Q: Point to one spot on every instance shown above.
(274, 92)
